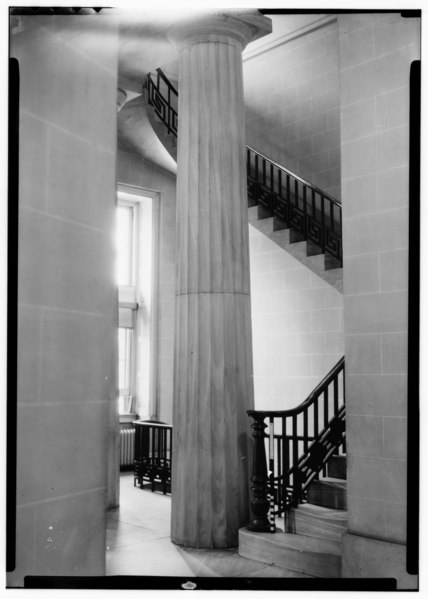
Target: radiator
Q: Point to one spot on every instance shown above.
(127, 439)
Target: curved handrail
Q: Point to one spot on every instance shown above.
(263, 156)
(308, 401)
(286, 170)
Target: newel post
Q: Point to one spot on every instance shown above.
(259, 478)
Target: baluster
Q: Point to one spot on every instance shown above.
(259, 479)
(316, 416)
(136, 453)
(153, 457)
(296, 193)
(326, 407)
(288, 212)
(331, 217)
(336, 395)
(272, 189)
(257, 167)
(279, 470)
(297, 485)
(264, 172)
(285, 462)
(305, 212)
(295, 443)
(271, 471)
(248, 163)
(169, 109)
(343, 384)
(322, 224)
(150, 89)
(305, 430)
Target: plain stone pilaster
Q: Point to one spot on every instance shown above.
(213, 384)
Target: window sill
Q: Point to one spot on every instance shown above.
(123, 418)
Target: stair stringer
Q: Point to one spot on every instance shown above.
(298, 250)
(136, 133)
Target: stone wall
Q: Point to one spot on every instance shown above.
(297, 326)
(67, 299)
(292, 101)
(375, 56)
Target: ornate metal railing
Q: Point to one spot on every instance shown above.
(160, 95)
(295, 203)
(152, 454)
(311, 214)
(298, 443)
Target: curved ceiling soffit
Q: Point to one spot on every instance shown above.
(136, 133)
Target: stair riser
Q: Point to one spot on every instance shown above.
(264, 226)
(298, 524)
(336, 467)
(331, 497)
(262, 549)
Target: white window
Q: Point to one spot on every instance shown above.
(136, 276)
(126, 280)
(126, 244)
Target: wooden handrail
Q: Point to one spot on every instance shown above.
(300, 442)
(286, 170)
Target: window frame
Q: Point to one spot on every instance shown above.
(142, 300)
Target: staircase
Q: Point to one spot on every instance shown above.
(296, 215)
(299, 492)
(308, 540)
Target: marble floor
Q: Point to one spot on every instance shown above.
(138, 543)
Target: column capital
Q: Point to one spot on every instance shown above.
(220, 26)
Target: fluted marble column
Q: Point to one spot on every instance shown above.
(213, 384)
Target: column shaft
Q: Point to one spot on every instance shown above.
(213, 351)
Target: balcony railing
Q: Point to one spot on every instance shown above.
(153, 452)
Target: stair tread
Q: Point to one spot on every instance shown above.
(300, 542)
(319, 511)
(330, 480)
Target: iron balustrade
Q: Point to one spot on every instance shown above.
(161, 95)
(152, 454)
(295, 203)
(309, 212)
(298, 444)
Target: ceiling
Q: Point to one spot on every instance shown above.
(144, 46)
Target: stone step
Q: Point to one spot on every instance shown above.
(287, 240)
(336, 466)
(252, 215)
(317, 521)
(328, 492)
(300, 553)
(264, 225)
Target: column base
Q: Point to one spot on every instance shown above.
(363, 557)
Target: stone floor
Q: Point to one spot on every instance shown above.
(138, 543)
